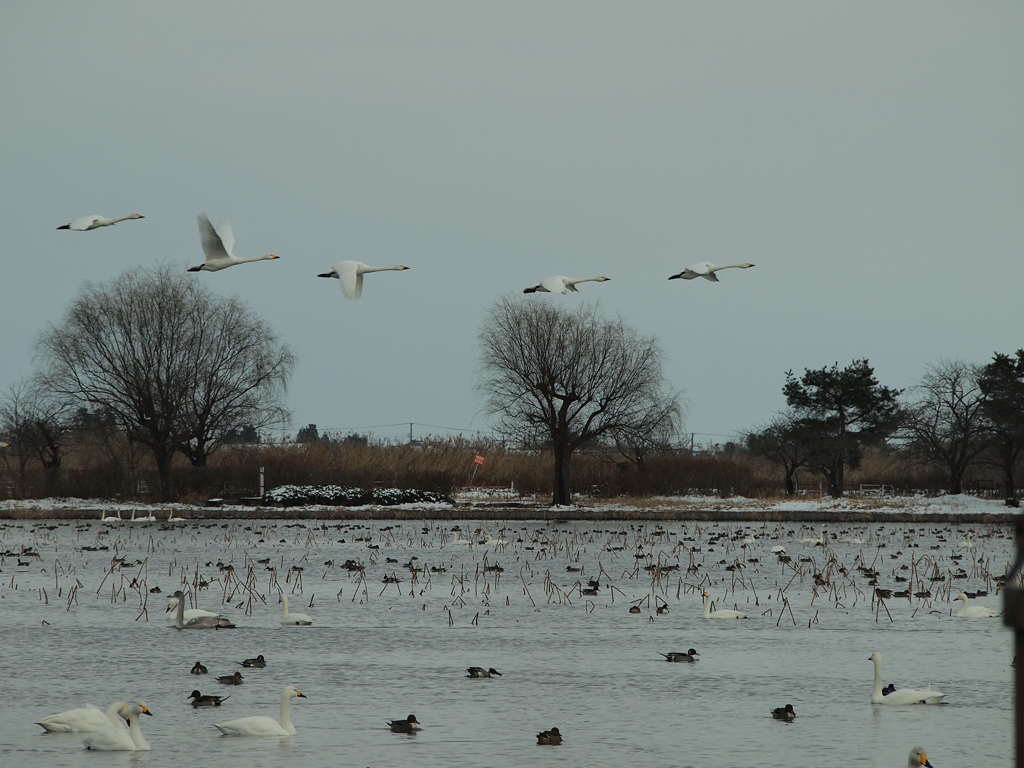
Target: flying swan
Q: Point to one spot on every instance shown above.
(117, 739)
(707, 270)
(85, 223)
(261, 725)
(218, 247)
(562, 284)
(350, 275)
(900, 695)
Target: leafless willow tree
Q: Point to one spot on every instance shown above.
(564, 377)
(173, 364)
(945, 422)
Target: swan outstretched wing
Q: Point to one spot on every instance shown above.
(350, 279)
(215, 246)
(556, 284)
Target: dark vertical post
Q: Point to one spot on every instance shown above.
(1013, 616)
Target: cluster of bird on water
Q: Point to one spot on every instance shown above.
(196, 618)
(219, 243)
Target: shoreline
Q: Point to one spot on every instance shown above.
(510, 511)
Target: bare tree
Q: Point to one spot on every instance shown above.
(786, 441)
(142, 346)
(18, 432)
(562, 378)
(945, 424)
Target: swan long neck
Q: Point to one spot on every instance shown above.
(396, 267)
(730, 266)
(284, 605)
(707, 606)
(256, 258)
(179, 614)
(877, 693)
(598, 279)
(286, 712)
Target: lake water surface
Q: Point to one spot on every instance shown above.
(381, 651)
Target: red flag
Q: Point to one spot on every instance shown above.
(478, 459)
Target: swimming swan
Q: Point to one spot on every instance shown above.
(117, 739)
(86, 223)
(292, 619)
(218, 246)
(918, 757)
(350, 275)
(707, 270)
(213, 621)
(975, 611)
(562, 284)
(260, 725)
(900, 695)
(85, 719)
(726, 614)
(189, 614)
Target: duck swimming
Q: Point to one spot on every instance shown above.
(235, 679)
(409, 725)
(481, 672)
(198, 669)
(198, 700)
(784, 713)
(552, 737)
(681, 657)
(259, 662)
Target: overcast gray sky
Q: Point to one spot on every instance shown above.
(867, 157)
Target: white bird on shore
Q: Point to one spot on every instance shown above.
(900, 695)
(975, 611)
(86, 223)
(218, 247)
(725, 614)
(117, 739)
(289, 619)
(707, 270)
(350, 275)
(85, 719)
(261, 725)
(562, 284)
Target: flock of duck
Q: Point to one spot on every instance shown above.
(707, 556)
(219, 243)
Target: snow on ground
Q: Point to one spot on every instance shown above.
(960, 504)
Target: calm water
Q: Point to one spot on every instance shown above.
(590, 668)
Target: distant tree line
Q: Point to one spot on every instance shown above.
(957, 417)
(151, 361)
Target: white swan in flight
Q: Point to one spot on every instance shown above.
(85, 223)
(289, 619)
(918, 758)
(725, 614)
(975, 611)
(900, 695)
(218, 247)
(350, 275)
(117, 739)
(213, 621)
(85, 719)
(707, 270)
(562, 284)
(261, 725)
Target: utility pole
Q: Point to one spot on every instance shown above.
(1013, 616)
